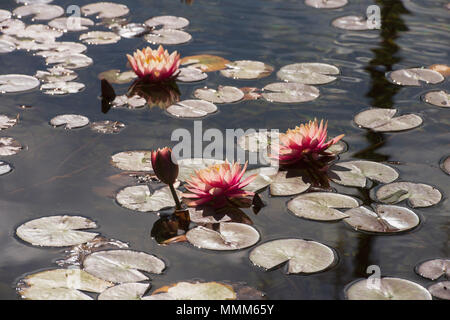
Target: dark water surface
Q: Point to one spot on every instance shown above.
(61, 171)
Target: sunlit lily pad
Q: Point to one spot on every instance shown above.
(7, 122)
(71, 61)
(414, 76)
(121, 266)
(192, 109)
(47, 293)
(26, 2)
(434, 269)
(257, 141)
(40, 33)
(441, 68)
(388, 289)
(62, 48)
(39, 11)
(133, 102)
(4, 14)
(167, 22)
(9, 146)
(383, 120)
(417, 194)
(56, 74)
(17, 83)
(231, 236)
(438, 98)
(11, 26)
(62, 87)
(125, 291)
(132, 30)
(194, 291)
(385, 219)
(326, 4)
(71, 23)
(356, 173)
(132, 161)
(191, 74)
(205, 62)
(247, 69)
(290, 92)
(140, 198)
(445, 165)
(337, 148)
(105, 10)
(223, 94)
(440, 290)
(57, 231)
(168, 37)
(187, 167)
(115, 76)
(302, 256)
(107, 126)
(265, 176)
(321, 206)
(7, 46)
(99, 37)
(287, 186)
(69, 121)
(308, 73)
(5, 168)
(356, 23)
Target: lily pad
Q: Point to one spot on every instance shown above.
(115, 76)
(265, 176)
(168, 37)
(132, 30)
(445, 165)
(57, 231)
(247, 69)
(69, 121)
(7, 46)
(5, 168)
(231, 236)
(17, 83)
(192, 109)
(388, 289)
(140, 198)
(361, 170)
(46, 293)
(11, 26)
(438, 98)
(167, 22)
(194, 291)
(4, 14)
(290, 92)
(125, 291)
(71, 61)
(205, 62)
(26, 2)
(208, 215)
(287, 186)
(302, 256)
(187, 167)
(56, 74)
(71, 23)
(308, 73)
(440, 290)
(9, 146)
(326, 4)
(337, 148)
(62, 87)
(414, 76)
(383, 120)
(7, 122)
(385, 219)
(434, 269)
(40, 33)
(107, 126)
(223, 94)
(132, 161)
(133, 102)
(191, 74)
(62, 48)
(256, 141)
(105, 10)
(39, 11)
(355, 23)
(99, 37)
(417, 194)
(321, 206)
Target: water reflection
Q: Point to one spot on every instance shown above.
(160, 95)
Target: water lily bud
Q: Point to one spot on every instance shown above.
(164, 168)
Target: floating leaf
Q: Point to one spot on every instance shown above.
(247, 69)
(290, 92)
(70, 121)
(326, 4)
(115, 76)
(99, 37)
(56, 74)
(302, 256)
(417, 194)
(11, 26)
(168, 37)
(4, 15)
(191, 74)
(105, 10)
(434, 269)
(7, 46)
(9, 146)
(286, 186)
(356, 23)
(62, 48)
(441, 68)
(256, 141)
(121, 266)
(440, 290)
(132, 30)
(107, 126)
(72, 61)
(321, 206)
(386, 289)
(385, 219)
(26, 2)
(413, 76)
(223, 94)
(17, 83)
(39, 11)
(62, 87)
(445, 165)
(308, 73)
(337, 148)
(57, 231)
(40, 33)
(265, 176)
(209, 215)
(205, 62)
(187, 167)
(71, 23)
(231, 236)
(46, 293)
(5, 168)
(167, 22)
(194, 291)
(7, 122)
(125, 291)
(140, 198)
(191, 109)
(361, 170)
(383, 120)
(132, 161)
(438, 98)
(132, 102)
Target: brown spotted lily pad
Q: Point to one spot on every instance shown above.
(440, 290)
(39, 11)
(205, 62)
(438, 98)
(283, 185)
(434, 269)
(17, 83)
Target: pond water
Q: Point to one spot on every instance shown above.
(68, 171)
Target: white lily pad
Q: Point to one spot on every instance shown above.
(434, 269)
(26, 2)
(167, 22)
(99, 37)
(361, 170)
(125, 291)
(71, 61)
(168, 37)
(132, 30)
(247, 69)
(115, 76)
(194, 291)
(40, 33)
(287, 186)
(223, 94)
(69, 121)
(62, 48)
(133, 102)
(121, 266)
(256, 141)
(337, 148)
(39, 11)
(385, 219)
(191, 108)
(355, 23)
(265, 176)
(62, 87)
(133, 161)
(5, 168)
(414, 76)
(11, 26)
(4, 15)
(440, 290)
(7, 46)
(438, 98)
(302, 256)
(105, 10)
(7, 122)
(326, 4)
(140, 198)
(71, 23)
(187, 167)
(231, 236)
(386, 289)
(52, 294)
(308, 73)
(107, 126)
(17, 83)
(321, 206)
(290, 92)
(56, 74)
(57, 231)
(383, 120)
(208, 215)
(191, 74)
(9, 146)
(417, 194)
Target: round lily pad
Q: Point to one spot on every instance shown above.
(223, 94)
(11, 26)
(133, 102)
(356, 173)
(440, 290)
(121, 266)
(290, 92)
(105, 10)
(40, 33)
(257, 141)
(140, 198)
(133, 160)
(99, 37)
(57, 231)
(417, 194)
(191, 108)
(69, 121)
(5, 168)
(4, 14)
(26, 2)
(191, 74)
(205, 62)
(7, 46)
(208, 215)
(72, 61)
(308, 73)
(107, 126)
(132, 30)
(265, 176)
(438, 98)
(7, 122)
(355, 23)
(17, 83)
(247, 69)
(282, 185)
(385, 219)
(434, 269)
(302, 256)
(386, 289)
(56, 74)
(383, 120)
(62, 48)
(125, 291)
(9, 146)
(40, 11)
(326, 4)
(414, 76)
(195, 291)
(445, 165)
(52, 294)
(71, 23)
(115, 76)
(321, 206)
(168, 37)
(338, 148)
(167, 22)
(62, 87)
(231, 236)
(187, 167)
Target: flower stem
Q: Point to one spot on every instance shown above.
(175, 197)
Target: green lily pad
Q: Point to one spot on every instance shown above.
(105, 10)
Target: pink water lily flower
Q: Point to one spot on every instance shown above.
(308, 140)
(217, 185)
(154, 65)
